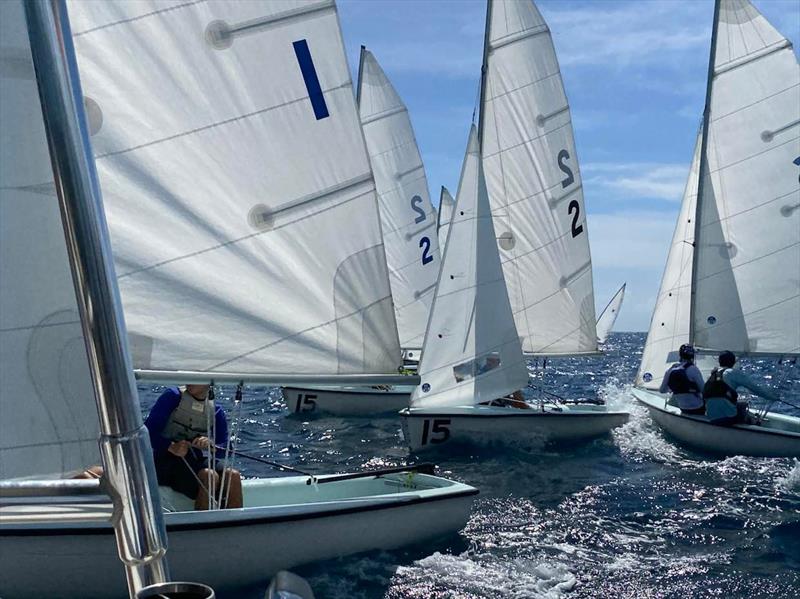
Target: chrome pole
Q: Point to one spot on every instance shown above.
(129, 473)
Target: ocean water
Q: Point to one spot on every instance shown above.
(629, 515)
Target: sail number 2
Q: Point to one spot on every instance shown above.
(424, 242)
(574, 208)
(440, 428)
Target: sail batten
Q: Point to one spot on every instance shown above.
(408, 219)
(543, 244)
(239, 192)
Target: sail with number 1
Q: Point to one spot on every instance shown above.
(732, 280)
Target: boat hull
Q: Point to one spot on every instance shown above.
(741, 439)
(346, 401)
(232, 549)
(437, 428)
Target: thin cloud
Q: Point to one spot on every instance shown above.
(638, 180)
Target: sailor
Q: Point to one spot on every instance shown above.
(685, 382)
(722, 400)
(178, 425)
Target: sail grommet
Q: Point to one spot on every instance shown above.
(507, 241)
(426, 387)
(711, 319)
(94, 116)
(647, 377)
(219, 35)
(786, 210)
(260, 217)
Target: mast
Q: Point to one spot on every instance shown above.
(439, 211)
(129, 472)
(360, 74)
(484, 73)
(703, 163)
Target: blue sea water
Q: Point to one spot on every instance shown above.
(629, 515)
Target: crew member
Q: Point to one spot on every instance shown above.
(685, 382)
(722, 400)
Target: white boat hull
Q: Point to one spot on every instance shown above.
(778, 436)
(347, 401)
(435, 428)
(231, 549)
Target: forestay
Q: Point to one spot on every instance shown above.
(239, 194)
(407, 216)
(747, 277)
(609, 315)
(472, 352)
(48, 418)
(669, 327)
(535, 185)
(446, 206)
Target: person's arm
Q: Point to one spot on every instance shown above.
(665, 383)
(158, 417)
(738, 379)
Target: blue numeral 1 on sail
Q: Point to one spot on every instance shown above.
(310, 77)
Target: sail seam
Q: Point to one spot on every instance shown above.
(352, 183)
(750, 209)
(727, 166)
(747, 59)
(517, 37)
(38, 326)
(382, 115)
(547, 297)
(217, 124)
(138, 17)
(759, 101)
(523, 143)
(521, 87)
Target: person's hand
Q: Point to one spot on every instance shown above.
(201, 442)
(178, 448)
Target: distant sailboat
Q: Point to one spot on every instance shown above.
(608, 316)
(409, 228)
(226, 185)
(732, 280)
(446, 206)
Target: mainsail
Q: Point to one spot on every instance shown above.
(446, 206)
(607, 318)
(472, 352)
(48, 417)
(534, 184)
(407, 216)
(669, 327)
(238, 188)
(746, 279)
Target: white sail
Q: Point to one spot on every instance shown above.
(48, 418)
(446, 206)
(669, 326)
(747, 277)
(608, 316)
(238, 189)
(535, 185)
(472, 352)
(407, 216)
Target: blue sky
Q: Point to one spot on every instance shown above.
(635, 75)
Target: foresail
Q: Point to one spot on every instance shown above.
(669, 327)
(747, 280)
(238, 189)
(472, 352)
(446, 206)
(48, 418)
(407, 216)
(609, 315)
(534, 184)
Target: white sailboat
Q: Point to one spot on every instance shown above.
(472, 360)
(607, 318)
(409, 228)
(185, 136)
(732, 280)
(446, 206)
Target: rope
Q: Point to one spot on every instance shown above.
(763, 413)
(230, 449)
(273, 464)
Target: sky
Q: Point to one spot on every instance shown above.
(635, 76)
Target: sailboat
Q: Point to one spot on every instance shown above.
(732, 279)
(409, 228)
(607, 318)
(207, 215)
(536, 200)
(446, 206)
(472, 363)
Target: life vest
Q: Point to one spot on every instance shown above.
(716, 387)
(679, 381)
(190, 419)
